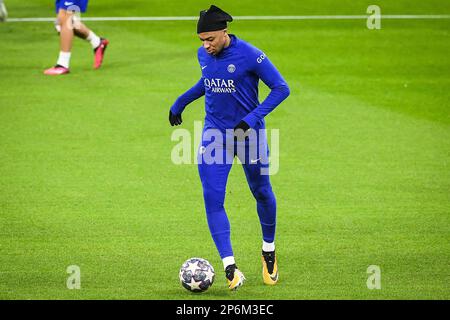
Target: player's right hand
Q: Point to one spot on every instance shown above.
(174, 119)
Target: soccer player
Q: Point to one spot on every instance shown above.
(231, 69)
(68, 25)
(3, 12)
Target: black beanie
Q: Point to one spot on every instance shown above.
(213, 19)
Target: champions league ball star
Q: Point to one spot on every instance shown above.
(196, 275)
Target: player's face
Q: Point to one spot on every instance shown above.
(214, 41)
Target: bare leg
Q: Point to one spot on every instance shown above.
(66, 35)
(85, 33)
(81, 31)
(3, 12)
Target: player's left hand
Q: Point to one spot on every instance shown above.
(174, 119)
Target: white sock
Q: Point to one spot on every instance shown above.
(268, 247)
(93, 39)
(64, 59)
(228, 261)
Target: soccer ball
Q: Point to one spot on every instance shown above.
(196, 275)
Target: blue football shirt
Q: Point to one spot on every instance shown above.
(229, 82)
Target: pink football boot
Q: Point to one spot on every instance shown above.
(99, 53)
(56, 71)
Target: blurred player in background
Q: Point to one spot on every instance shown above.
(68, 24)
(3, 12)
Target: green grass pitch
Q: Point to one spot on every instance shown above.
(86, 177)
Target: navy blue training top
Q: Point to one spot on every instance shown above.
(230, 84)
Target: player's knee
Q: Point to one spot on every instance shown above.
(63, 15)
(263, 193)
(67, 19)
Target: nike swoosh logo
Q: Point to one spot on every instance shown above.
(204, 67)
(275, 277)
(68, 3)
(255, 161)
